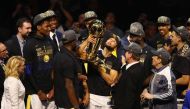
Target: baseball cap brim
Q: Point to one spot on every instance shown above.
(64, 40)
(154, 52)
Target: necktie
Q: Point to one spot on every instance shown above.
(54, 39)
(22, 46)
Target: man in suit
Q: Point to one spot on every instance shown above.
(130, 84)
(54, 34)
(16, 43)
(3, 57)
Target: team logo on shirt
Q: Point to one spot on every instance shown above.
(44, 53)
(46, 58)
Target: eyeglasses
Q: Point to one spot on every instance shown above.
(3, 50)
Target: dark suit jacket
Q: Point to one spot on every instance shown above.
(59, 37)
(13, 46)
(2, 78)
(129, 87)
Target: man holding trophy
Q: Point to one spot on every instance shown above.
(103, 66)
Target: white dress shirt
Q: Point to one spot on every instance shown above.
(57, 41)
(21, 43)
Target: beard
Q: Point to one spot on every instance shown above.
(109, 48)
(74, 48)
(136, 41)
(173, 44)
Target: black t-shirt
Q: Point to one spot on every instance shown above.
(181, 62)
(81, 87)
(157, 41)
(181, 66)
(97, 85)
(66, 66)
(146, 59)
